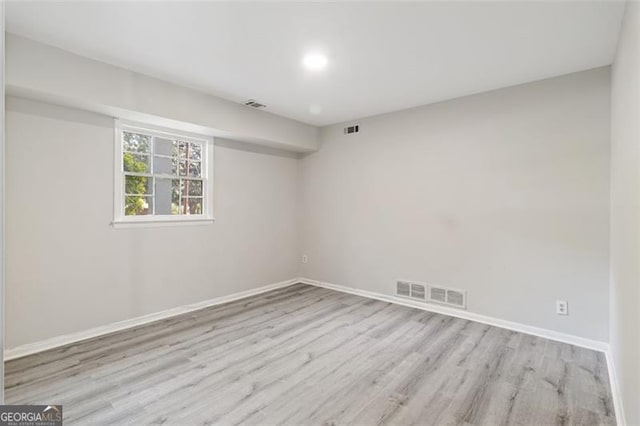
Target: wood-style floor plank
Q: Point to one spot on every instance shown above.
(304, 355)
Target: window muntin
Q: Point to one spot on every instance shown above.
(163, 176)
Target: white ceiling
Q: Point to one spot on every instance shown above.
(382, 56)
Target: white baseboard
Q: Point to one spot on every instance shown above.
(54, 342)
(616, 395)
(523, 328)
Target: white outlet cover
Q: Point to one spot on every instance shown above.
(562, 307)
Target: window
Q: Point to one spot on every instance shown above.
(162, 176)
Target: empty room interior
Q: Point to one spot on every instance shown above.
(320, 213)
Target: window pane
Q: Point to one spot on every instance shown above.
(195, 151)
(135, 142)
(195, 169)
(192, 205)
(138, 206)
(183, 147)
(179, 167)
(137, 184)
(167, 196)
(163, 165)
(163, 146)
(135, 163)
(192, 187)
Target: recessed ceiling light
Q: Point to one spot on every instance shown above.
(315, 61)
(315, 109)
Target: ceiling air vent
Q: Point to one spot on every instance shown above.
(411, 290)
(351, 129)
(254, 104)
(448, 296)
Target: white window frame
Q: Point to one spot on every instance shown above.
(120, 219)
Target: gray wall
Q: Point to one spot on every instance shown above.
(68, 270)
(625, 214)
(504, 194)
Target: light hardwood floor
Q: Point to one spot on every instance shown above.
(304, 356)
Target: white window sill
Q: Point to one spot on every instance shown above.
(159, 223)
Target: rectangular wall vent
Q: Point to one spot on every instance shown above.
(448, 296)
(351, 129)
(455, 298)
(437, 294)
(431, 293)
(403, 289)
(418, 291)
(411, 290)
(254, 104)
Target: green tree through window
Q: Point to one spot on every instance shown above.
(135, 205)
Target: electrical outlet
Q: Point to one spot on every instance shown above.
(562, 307)
(305, 258)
